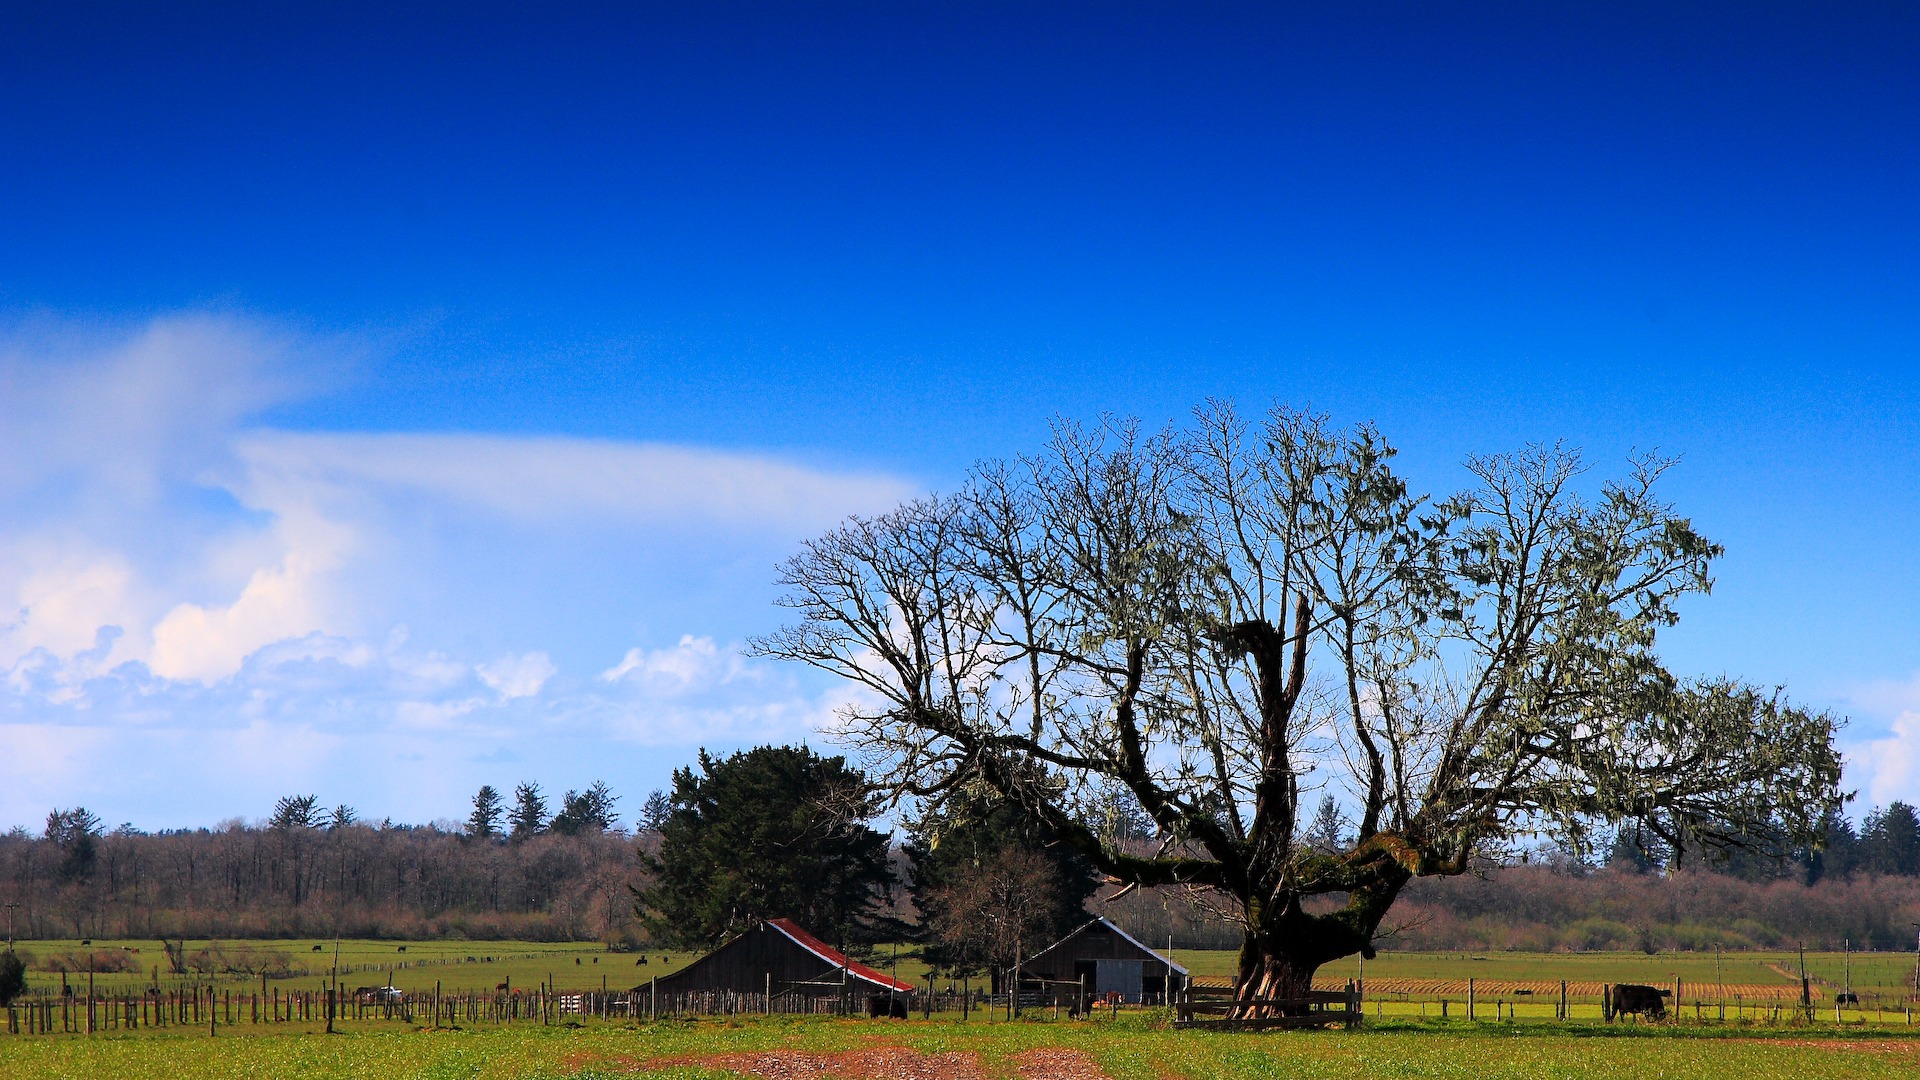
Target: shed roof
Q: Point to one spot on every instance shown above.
(837, 958)
(1098, 921)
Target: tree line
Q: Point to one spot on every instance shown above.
(783, 831)
(306, 870)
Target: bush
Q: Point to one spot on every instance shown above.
(13, 977)
(100, 962)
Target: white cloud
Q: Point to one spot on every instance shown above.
(518, 676)
(696, 662)
(278, 603)
(1887, 767)
(1894, 762)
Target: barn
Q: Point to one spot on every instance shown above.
(1110, 961)
(779, 954)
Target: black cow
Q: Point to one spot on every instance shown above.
(883, 1006)
(1631, 998)
(1846, 999)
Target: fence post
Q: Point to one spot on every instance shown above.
(1469, 999)
(1564, 1014)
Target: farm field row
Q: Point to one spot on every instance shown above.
(938, 1050)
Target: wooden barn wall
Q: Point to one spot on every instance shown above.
(1097, 943)
(744, 963)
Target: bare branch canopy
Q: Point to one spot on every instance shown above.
(1225, 616)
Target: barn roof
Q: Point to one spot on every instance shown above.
(837, 958)
(1097, 921)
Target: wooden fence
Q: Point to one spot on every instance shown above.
(1202, 1007)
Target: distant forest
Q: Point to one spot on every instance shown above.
(311, 873)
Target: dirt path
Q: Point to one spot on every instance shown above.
(884, 1063)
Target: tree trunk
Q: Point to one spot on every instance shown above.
(1269, 973)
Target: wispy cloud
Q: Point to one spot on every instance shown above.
(191, 600)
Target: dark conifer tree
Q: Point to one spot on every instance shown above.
(772, 832)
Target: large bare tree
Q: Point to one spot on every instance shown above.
(1232, 615)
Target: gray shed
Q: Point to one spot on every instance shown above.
(1110, 960)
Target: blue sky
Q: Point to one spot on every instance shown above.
(399, 398)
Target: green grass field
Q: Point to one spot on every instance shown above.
(1125, 1049)
(456, 965)
(475, 965)
(1886, 972)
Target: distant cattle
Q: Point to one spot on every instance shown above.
(1630, 998)
(317, 948)
(402, 948)
(883, 1006)
(499, 986)
(1846, 999)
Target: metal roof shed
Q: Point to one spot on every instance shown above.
(1110, 960)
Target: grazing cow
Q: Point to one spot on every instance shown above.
(883, 1006)
(1631, 998)
(317, 948)
(1846, 999)
(499, 986)
(402, 948)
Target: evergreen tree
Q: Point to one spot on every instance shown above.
(1326, 833)
(295, 812)
(653, 813)
(529, 817)
(776, 831)
(586, 811)
(76, 833)
(1839, 854)
(1636, 849)
(484, 822)
(1890, 840)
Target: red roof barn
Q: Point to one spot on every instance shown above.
(780, 952)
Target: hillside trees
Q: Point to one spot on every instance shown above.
(1229, 617)
(772, 832)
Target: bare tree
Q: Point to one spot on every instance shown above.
(1147, 609)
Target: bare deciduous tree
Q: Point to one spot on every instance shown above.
(1223, 617)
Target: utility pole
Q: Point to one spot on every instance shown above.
(10, 905)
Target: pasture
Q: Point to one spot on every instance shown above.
(1129, 1048)
(303, 965)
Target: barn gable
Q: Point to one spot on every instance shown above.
(1105, 959)
(779, 952)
